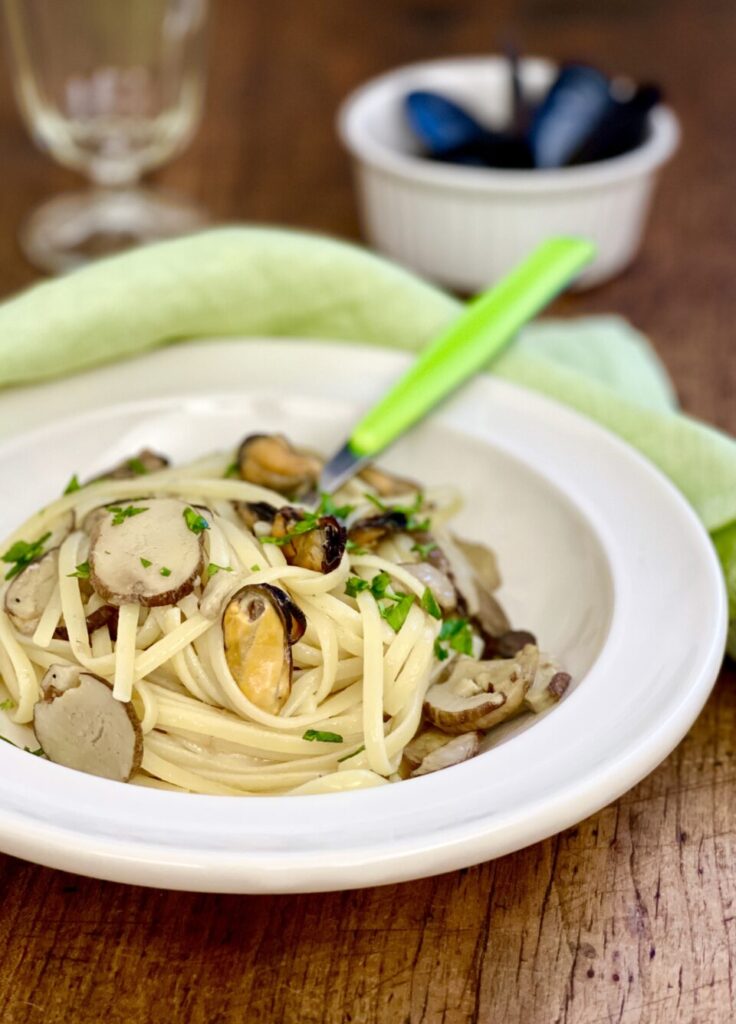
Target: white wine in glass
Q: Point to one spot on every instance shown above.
(111, 88)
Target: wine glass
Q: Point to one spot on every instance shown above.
(112, 88)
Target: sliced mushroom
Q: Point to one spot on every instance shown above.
(432, 749)
(252, 512)
(30, 592)
(145, 461)
(319, 549)
(369, 532)
(270, 460)
(257, 634)
(386, 485)
(459, 749)
(549, 685)
(80, 725)
(150, 557)
(440, 585)
(105, 615)
(472, 568)
(508, 644)
(481, 694)
(483, 561)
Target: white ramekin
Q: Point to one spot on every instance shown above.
(465, 226)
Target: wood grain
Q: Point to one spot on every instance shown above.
(631, 916)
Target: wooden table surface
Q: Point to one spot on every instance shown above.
(629, 917)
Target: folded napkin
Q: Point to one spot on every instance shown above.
(249, 281)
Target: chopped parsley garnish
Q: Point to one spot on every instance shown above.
(455, 634)
(355, 549)
(255, 568)
(380, 584)
(195, 521)
(327, 507)
(355, 585)
(424, 549)
(410, 511)
(233, 470)
(165, 571)
(212, 568)
(145, 563)
(136, 466)
(119, 514)
(429, 604)
(396, 614)
(346, 757)
(323, 737)
(73, 485)
(305, 525)
(7, 705)
(21, 554)
(81, 572)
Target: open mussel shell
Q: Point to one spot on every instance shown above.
(452, 135)
(578, 102)
(440, 124)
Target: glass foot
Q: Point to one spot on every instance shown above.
(73, 229)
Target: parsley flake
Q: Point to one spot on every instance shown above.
(327, 507)
(73, 485)
(322, 737)
(233, 470)
(81, 572)
(456, 634)
(195, 521)
(355, 549)
(7, 705)
(119, 514)
(21, 554)
(355, 585)
(255, 568)
(165, 571)
(136, 466)
(424, 549)
(145, 563)
(429, 604)
(212, 568)
(396, 613)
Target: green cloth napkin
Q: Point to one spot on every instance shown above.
(250, 281)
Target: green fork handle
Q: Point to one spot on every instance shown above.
(486, 326)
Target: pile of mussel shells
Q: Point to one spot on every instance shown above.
(584, 117)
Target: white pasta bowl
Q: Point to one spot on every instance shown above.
(467, 226)
(601, 557)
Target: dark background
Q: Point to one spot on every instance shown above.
(630, 917)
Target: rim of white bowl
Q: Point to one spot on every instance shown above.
(663, 140)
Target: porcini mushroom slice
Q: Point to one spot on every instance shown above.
(549, 685)
(30, 592)
(455, 751)
(144, 552)
(386, 485)
(80, 725)
(484, 562)
(481, 694)
(270, 460)
(508, 644)
(105, 615)
(257, 651)
(320, 548)
(424, 745)
(472, 568)
(145, 461)
(440, 585)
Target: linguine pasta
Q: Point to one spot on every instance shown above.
(363, 638)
